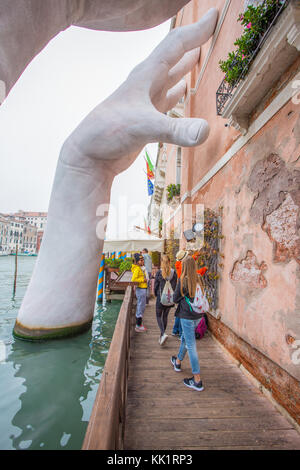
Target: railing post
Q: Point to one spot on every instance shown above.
(100, 289)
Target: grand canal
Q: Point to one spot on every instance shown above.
(47, 389)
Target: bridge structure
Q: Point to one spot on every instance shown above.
(142, 402)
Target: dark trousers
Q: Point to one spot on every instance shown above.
(162, 313)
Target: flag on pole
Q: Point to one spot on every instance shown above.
(147, 228)
(150, 187)
(151, 167)
(150, 173)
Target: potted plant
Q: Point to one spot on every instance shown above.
(113, 265)
(173, 194)
(126, 265)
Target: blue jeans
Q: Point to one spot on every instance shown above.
(188, 343)
(177, 327)
(149, 286)
(141, 295)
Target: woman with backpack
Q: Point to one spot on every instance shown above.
(192, 303)
(164, 286)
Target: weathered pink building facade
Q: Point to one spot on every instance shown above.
(250, 168)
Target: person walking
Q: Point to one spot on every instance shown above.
(139, 274)
(164, 295)
(184, 295)
(148, 266)
(180, 256)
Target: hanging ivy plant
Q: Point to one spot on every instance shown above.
(155, 255)
(209, 254)
(172, 247)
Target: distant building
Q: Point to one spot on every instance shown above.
(15, 231)
(29, 239)
(36, 219)
(4, 236)
(16, 226)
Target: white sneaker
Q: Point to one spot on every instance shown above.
(140, 328)
(163, 339)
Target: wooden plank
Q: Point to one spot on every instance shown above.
(283, 387)
(175, 385)
(210, 401)
(164, 414)
(254, 423)
(201, 412)
(177, 439)
(153, 375)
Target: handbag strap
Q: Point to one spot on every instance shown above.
(188, 302)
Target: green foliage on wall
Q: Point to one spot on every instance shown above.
(155, 255)
(113, 263)
(255, 21)
(172, 247)
(173, 190)
(209, 255)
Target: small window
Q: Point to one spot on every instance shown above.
(178, 165)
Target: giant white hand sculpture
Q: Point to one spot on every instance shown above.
(26, 26)
(61, 295)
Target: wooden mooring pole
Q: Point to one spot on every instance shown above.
(16, 271)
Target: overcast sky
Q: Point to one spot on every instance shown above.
(77, 70)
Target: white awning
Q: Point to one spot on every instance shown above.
(152, 244)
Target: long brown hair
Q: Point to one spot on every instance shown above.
(165, 266)
(189, 277)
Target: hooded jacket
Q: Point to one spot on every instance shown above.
(138, 276)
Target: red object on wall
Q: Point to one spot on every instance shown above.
(178, 267)
(39, 240)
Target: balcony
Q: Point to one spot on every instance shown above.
(277, 50)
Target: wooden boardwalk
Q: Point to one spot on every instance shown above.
(162, 413)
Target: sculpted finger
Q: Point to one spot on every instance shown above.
(174, 95)
(184, 66)
(181, 40)
(186, 132)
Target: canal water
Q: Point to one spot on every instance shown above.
(47, 389)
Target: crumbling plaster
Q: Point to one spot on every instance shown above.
(261, 316)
